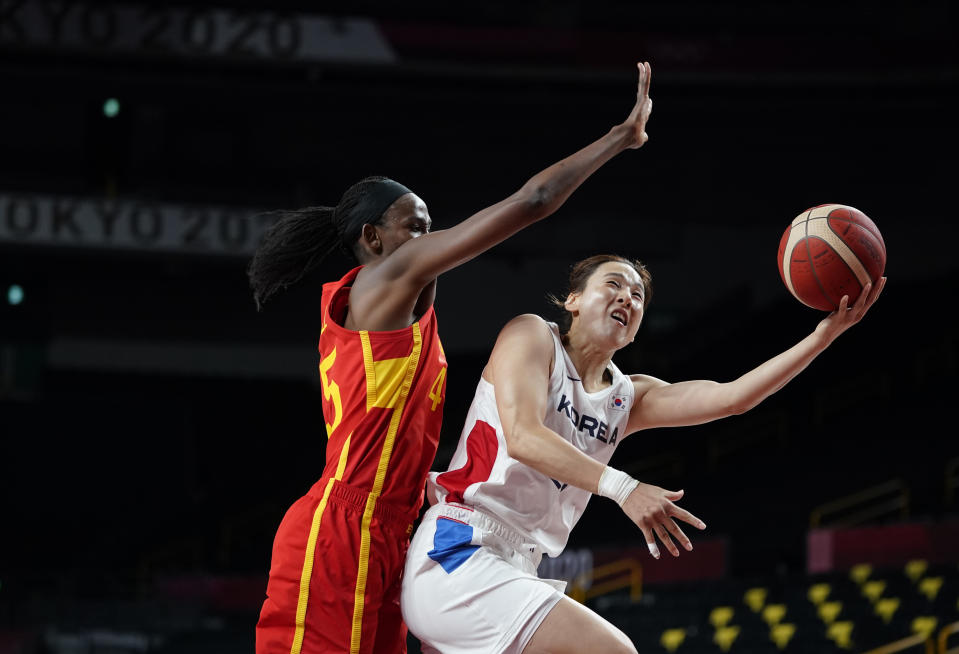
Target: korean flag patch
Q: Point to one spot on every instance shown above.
(619, 402)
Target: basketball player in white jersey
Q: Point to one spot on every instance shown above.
(548, 412)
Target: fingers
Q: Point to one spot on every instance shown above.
(678, 535)
(862, 302)
(687, 517)
(665, 531)
(650, 541)
(869, 293)
(869, 296)
(645, 74)
(652, 509)
(666, 540)
(877, 289)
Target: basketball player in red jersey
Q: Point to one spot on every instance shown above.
(339, 552)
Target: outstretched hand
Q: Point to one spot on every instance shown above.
(652, 509)
(845, 317)
(636, 122)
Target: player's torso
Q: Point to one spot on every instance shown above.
(482, 474)
(383, 397)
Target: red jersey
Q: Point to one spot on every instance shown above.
(338, 554)
(383, 395)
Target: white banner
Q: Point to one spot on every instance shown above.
(128, 224)
(158, 30)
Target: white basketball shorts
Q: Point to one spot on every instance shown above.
(470, 584)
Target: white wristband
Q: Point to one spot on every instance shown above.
(616, 485)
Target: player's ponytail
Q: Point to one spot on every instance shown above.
(299, 239)
(295, 243)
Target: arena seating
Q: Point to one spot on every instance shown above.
(853, 611)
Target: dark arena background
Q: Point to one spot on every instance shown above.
(154, 427)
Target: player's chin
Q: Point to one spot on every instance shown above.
(619, 340)
(613, 336)
(623, 341)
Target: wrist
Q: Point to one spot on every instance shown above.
(616, 485)
(623, 136)
(823, 336)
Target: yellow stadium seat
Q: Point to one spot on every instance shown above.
(874, 589)
(672, 639)
(860, 573)
(726, 636)
(755, 598)
(829, 611)
(774, 613)
(929, 586)
(818, 593)
(886, 608)
(924, 625)
(782, 633)
(840, 633)
(915, 569)
(720, 616)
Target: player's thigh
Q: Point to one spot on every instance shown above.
(390, 629)
(569, 625)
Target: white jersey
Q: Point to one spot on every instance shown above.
(483, 476)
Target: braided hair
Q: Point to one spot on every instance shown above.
(299, 239)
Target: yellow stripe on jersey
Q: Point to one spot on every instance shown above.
(370, 370)
(391, 373)
(304, 596)
(344, 453)
(383, 378)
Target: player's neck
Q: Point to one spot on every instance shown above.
(590, 362)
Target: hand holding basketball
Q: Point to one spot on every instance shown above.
(845, 316)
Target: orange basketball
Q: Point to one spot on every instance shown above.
(829, 251)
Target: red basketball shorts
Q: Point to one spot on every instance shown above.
(335, 576)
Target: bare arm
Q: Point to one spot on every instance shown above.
(659, 404)
(519, 370)
(420, 260)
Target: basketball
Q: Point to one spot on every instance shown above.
(829, 251)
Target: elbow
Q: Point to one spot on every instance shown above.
(734, 404)
(738, 409)
(519, 445)
(538, 201)
(740, 405)
(733, 400)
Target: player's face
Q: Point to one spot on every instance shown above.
(610, 306)
(406, 219)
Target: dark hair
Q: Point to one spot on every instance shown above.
(299, 239)
(581, 271)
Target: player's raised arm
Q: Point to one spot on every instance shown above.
(658, 404)
(422, 259)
